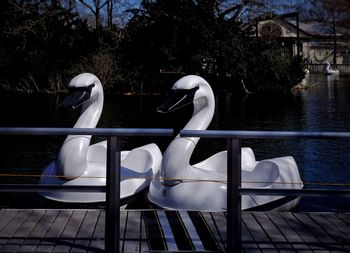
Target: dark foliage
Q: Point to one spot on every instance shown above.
(43, 44)
(38, 41)
(271, 69)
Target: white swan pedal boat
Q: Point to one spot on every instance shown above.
(330, 71)
(80, 163)
(179, 185)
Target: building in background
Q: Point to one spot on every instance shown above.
(316, 42)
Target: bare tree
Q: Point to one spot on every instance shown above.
(333, 15)
(95, 8)
(110, 4)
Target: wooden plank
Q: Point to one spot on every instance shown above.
(191, 230)
(249, 250)
(82, 231)
(248, 241)
(122, 230)
(144, 247)
(132, 232)
(168, 232)
(317, 230)
(329, 228)
(6, 217)
(98, 236)
(206, 235)
(338, 229)
(34, 229)
(339, 224)
(344, 217)
(86, 230)
(254, 228)
(51, 238)
(123, 215)
(219, 220)
(14, 223)
(132, 227)
(257, 232)
(272, 231)
(301, 230)
(289, 233)
(212, 225)
(12, 244)
(308, 232)
(284, 227)
(154, 231)
(65, 242)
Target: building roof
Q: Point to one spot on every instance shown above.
(319, 29)
(306, 29)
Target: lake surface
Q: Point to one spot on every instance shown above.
(324, 107)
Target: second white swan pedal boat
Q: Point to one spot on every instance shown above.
(179, 185)
(80, 163)
(330, 71)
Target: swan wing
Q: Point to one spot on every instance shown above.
(218, 161)
(279, 172)
(215, 163)
(138, 168)
(97, 153)
(145, 159)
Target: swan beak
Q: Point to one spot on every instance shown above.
(76, 97)
(178, 99)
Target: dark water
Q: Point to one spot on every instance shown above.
(324, 107)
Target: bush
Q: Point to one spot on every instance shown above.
(271, 69)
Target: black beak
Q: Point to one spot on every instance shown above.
(177, 99)
(76, 97)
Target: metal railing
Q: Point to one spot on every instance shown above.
(234, 179)
(112, 188)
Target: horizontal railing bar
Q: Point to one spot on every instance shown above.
(50, 188)
(263, 134)
(243, 191)
(295, 192)
(87, 131)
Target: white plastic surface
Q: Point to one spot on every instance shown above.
(80, 163)
(330, 71)
(197, 187)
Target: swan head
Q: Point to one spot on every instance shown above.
(187, 90)
(81, 89)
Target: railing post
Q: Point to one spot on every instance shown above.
(234, 204)
(112, 221)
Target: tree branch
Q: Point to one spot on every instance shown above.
(88, 6)
(103, 5)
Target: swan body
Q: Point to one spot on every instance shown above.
(80, 163)
(330, 71)
(203, 186)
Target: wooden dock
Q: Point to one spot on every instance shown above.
(66, 230)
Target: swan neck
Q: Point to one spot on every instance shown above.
(72, 157)
(176, 159)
